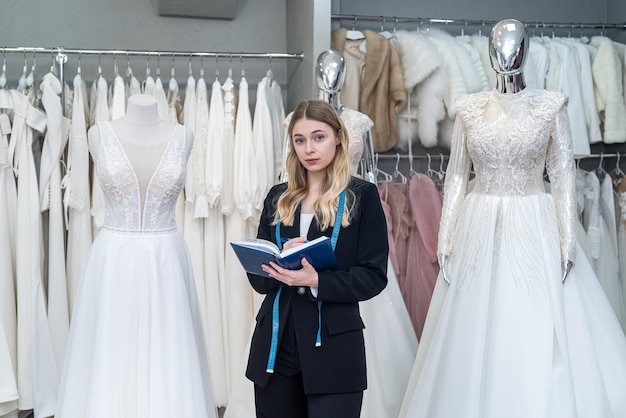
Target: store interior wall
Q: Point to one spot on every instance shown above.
(258, 26)
(529, 10)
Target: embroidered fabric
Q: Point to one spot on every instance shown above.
(510, 139)
(124, 211)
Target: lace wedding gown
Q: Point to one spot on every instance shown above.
(135, 346)
(507, 338)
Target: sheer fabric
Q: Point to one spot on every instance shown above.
(506, 338)
(136, 345)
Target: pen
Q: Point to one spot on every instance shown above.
(289, 239)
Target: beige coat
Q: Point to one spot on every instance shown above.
(382, 86)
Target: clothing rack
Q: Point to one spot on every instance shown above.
(398, 158)
(427, 156)
(469, 22)
(60, 55)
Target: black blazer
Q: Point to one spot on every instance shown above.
(338, 365)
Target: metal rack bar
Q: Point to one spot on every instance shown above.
(61, 54)
(187, 54)
(397, 20)
(390, 156)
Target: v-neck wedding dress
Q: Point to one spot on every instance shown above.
(135, 346)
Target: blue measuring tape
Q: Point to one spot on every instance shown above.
(275, 307)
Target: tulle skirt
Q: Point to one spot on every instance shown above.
(507, 338)
(135, 346)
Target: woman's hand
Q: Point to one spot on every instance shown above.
(294, 242)
(306, 276)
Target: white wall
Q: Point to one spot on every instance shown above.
(591, 11)
(259, 26)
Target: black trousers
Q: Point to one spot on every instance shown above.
(283, 397)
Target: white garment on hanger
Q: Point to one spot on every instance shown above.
(36, 356)
(263, 143)
(8, 319)
(77, 195)
(214, 273)
(51, 201)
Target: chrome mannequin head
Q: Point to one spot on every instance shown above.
(508, 48)
(330, 71)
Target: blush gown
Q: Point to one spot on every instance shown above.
(507, 338)
(135, 348)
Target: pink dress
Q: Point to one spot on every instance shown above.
(401, 222)
(422, 266)
(383, 191)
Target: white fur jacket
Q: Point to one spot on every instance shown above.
(607, 76)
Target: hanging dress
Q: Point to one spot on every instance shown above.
(136, 347)
(51, 201)
(77, 193)
(37, 373)
(422, 267)
(8, 319)
(214, 245)
(507, 338)
(239, 304)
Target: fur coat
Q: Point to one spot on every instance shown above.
(382, 92)
(424, 82)
(607, 77)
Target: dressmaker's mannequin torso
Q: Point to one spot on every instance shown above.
(143, 136)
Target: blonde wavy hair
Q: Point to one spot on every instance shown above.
(337, 173)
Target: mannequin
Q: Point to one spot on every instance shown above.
(504, 335)
(138, 284)
(330, 77)
(143, 136)
(508, 49)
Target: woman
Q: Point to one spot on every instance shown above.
(307, 356)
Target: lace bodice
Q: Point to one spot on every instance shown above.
(123, 206)
(510, 139)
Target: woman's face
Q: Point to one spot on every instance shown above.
(315, 144)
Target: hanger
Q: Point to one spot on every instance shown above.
(115, 68)
(201, 68)
(384, 32)
(617, 171)
(99, 64)
(30, 78)
(354, 34)
(3, 76)
(158, 66)
(600, 171)
(436, 176)
(217, 68)
(148, 66)
(386, 177)
(129, 69)
(173, 85)
(21, 83)
(243, 70)
(397, 173)
(269, 74)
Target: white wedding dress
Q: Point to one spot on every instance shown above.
(507, 338)
(135, 346)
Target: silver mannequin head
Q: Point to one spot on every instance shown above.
(508, 48)
(330, 71)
